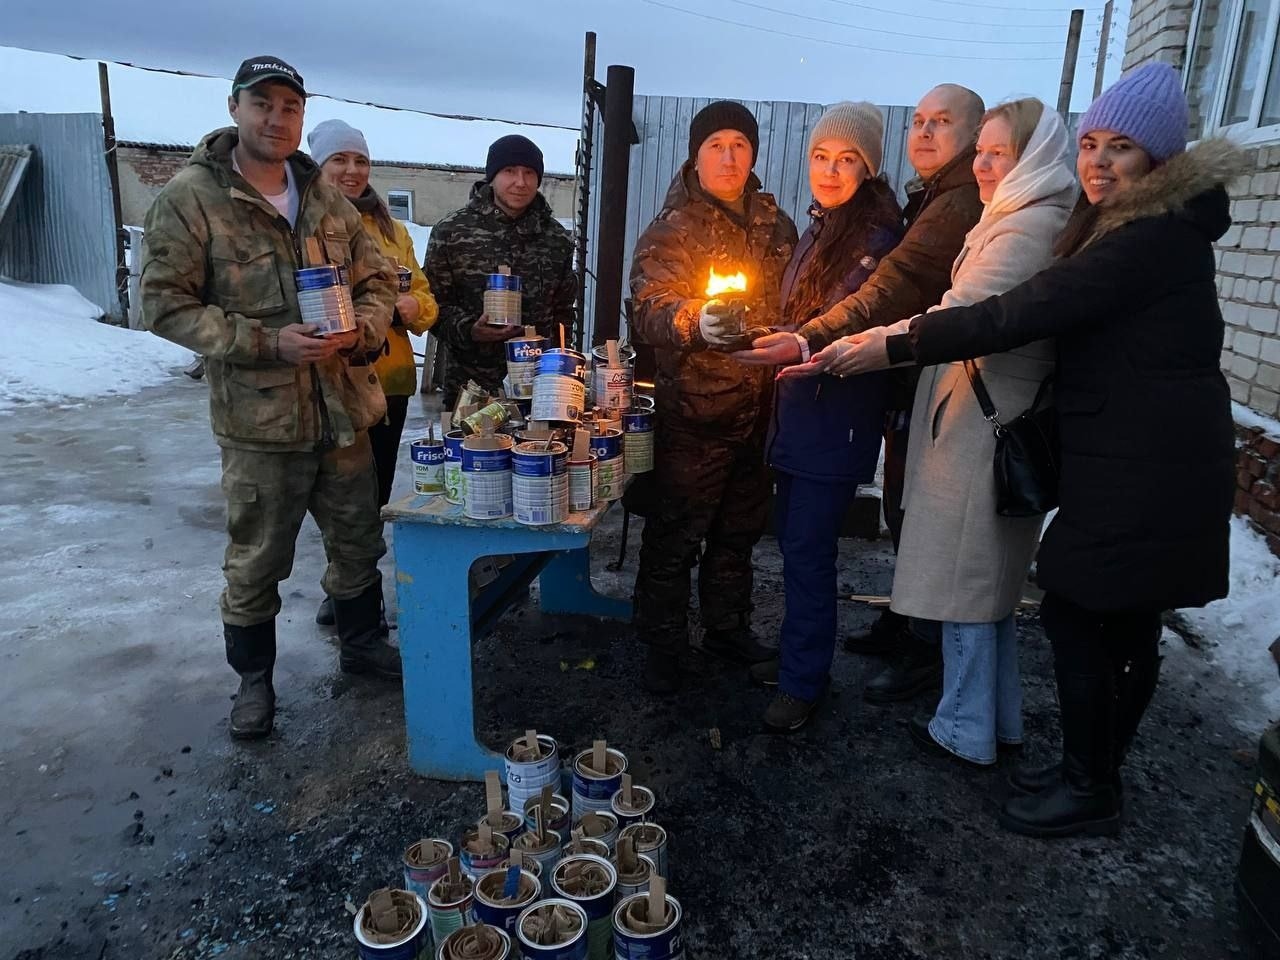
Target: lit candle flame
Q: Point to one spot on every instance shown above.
(725, 283)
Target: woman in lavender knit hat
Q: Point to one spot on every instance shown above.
(1147, 458)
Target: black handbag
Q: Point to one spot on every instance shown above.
(1026, 460)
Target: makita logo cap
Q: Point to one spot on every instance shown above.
(257, 69)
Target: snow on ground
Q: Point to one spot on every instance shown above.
(1251, 418)
(56, 350)
(1240, 628)
(420, 235)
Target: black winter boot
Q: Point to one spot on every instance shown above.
(663, 670)
(736, 643)
(362, 635)
(1084, 799)
(917, 671)
(251, 651)
(884, 636)
(325, 616)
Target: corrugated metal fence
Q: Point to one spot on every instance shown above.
(663, 125)
(62, 229)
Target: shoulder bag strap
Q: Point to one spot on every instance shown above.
(989, 411)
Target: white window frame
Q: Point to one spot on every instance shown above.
(406, 195)
(1248, 131)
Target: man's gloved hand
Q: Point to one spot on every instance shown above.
(719, 323)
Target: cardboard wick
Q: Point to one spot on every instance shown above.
(627, 854)
(531, 741)
(538, 830)
(561, 326)
(446, 421)
(581, 444)
(626, 791)
(599, 757)
(504, 270)
(493, 797)
(485, 837)
(657, 912)
(611, 348)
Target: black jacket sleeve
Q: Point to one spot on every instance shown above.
(1112, 276)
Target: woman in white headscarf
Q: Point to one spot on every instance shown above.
(959, 562)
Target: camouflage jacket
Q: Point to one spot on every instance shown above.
(471, 243)
(702, 389)
(217, 277)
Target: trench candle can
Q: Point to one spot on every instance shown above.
(636, 940)
(454, 490)
(425, 862)
(405, 276)
(324, 298)
(428, 466)
(522, 364)
(413, 945)
(570, 944)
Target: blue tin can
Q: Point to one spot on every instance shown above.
(539, 459)
(607, 446)
(486, 461)
(504, 281)
(573, 945)
(665, 944)
(321, 278)
(411, 947)
(637, 421)
(522, 364)
(491, 906)
(569, 363)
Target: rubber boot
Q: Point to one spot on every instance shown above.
(736, 643)
(1135, 685)
(251, 652)
(362, 635)
(883, 637)
(325, 616)
(1084, 800)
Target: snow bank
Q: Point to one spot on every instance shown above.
(1239, 629)
(1251, 418)
(55, 350)
(419, 235)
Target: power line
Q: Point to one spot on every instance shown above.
(893, 33)
(840, 43)
(1001, 6)
(329, 96)
(970, 23)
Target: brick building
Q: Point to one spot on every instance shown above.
(421, 192)
(1229, 55)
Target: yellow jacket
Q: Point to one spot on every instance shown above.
(395, 368)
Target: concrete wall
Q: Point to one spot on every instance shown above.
(437, 190)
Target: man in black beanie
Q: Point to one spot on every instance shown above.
(507, 222)
(712, 413)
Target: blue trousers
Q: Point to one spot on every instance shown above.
(808, 516)
(981, 689)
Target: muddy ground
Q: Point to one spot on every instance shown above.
(132, 827)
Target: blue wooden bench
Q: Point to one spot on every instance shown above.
(435, 546)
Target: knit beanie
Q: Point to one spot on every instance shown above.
(1148, 106)
(860, 125)
(335, 136)
(512, 151)
(723, 115)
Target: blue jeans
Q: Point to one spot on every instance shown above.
(807, 520)
(981, 689)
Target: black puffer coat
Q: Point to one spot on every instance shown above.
(1144, 411)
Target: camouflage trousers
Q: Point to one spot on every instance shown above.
(268, 496)
(707, 491)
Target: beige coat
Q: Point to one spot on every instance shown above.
(958, 561)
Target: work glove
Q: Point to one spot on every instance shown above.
(719, 323)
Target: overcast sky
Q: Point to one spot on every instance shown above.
(523, 60)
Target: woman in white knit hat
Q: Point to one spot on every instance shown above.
(340, 151)
(826, 433)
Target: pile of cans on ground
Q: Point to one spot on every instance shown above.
(539, 875)
(551, 446)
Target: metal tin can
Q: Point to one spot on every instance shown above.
(640, 809)
(493, 415)
(450, 910)
(539, 483)
(454, 482)
(558, 398)
(583, 477)
(637, 446)
(476, 859)
(557, 819)
(529, 769)
(566, 879)
(510, 824)
(651, 840)
(481, 941)
(566, 362)
(497, 910)
(408, 947)
(486, 468)
(324, 298)
(573, 943)
(405, 276)
(662, 944)
(635, 880)
(522, 364)
(502, 297)
(424, 863)
(602, 826)
(428, 466)
(592, 790)
(546, 851)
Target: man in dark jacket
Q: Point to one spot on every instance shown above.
(942, 206)
(712, 413)
(290, 408)
(507, 222)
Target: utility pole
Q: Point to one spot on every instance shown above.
(1069, 62)
(1101, 66)
(113, 175)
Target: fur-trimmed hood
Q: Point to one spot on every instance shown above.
(1171, 187)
